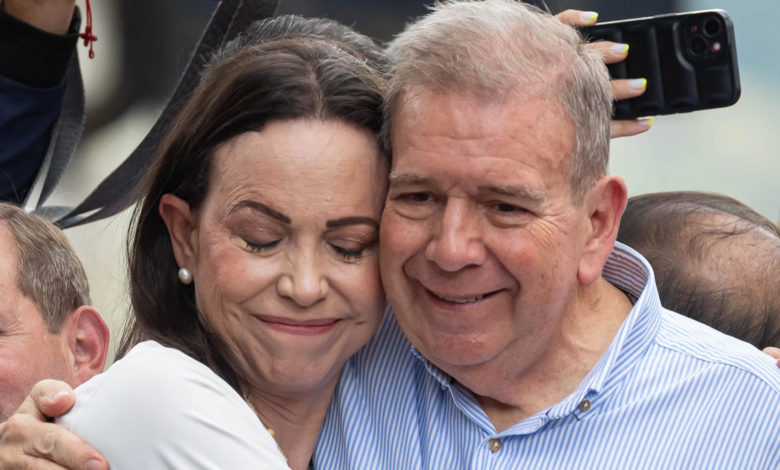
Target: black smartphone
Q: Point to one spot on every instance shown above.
(689, 61)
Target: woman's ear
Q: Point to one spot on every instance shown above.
(182, 226)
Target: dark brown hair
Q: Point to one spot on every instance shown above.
(48, 270)
(260, 79)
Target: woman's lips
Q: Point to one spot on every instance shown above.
(298, 327)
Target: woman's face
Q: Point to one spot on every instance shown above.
(284, 251)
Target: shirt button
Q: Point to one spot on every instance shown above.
(494, 445)
(584, 405)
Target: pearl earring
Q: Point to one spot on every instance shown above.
(185, 276)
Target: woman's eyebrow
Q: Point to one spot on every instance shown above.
(262, 208)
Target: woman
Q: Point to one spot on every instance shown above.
(253, 267)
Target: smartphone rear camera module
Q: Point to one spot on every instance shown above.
(711, 27)
(698, 45)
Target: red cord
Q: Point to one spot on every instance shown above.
(87, 36)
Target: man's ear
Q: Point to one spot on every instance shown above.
(87, 337)
(605, 203)
(182, 228)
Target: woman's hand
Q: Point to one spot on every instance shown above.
(52, 16)
(29, 441)
(621, 89)
(774, 352)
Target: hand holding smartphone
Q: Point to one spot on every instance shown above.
(689, 61)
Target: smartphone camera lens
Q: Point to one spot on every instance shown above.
(698, 45)
(711, 27)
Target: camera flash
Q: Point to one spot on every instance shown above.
(715, 47)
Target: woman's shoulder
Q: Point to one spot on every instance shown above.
(158, 406)
(155, 371)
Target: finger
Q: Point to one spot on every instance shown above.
(628, 88)
(46, 442)
(629, 127)
(65, 448)
(577, 17)
(772, 351)
(611, 52)
(25, 463)
(49, 399)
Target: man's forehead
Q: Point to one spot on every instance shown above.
(463, 114)
(9, 249)
(533, 130)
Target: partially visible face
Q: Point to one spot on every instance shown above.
(28, 352)
(287, 272)
(480, 240)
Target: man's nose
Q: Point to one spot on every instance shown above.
(458, 242)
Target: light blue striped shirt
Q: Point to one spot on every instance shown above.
(669, 393)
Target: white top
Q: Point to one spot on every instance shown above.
(158, 408)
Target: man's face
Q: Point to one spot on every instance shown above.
(480, 241)
(28, 352)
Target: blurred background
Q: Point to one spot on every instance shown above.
(144, 45)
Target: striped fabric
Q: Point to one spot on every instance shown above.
(669, 393)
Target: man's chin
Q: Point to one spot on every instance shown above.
(452, 353)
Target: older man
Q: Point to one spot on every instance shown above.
(47, 328)
(533, 340)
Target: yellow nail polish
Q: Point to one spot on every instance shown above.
(589, 16)
(647, 122)
(638, 83)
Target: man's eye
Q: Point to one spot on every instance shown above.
(508, 208)
(416, 197)
(260, 247)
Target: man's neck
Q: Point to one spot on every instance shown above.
(508, 395)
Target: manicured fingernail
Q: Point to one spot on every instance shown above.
(94, 465)
(620, 48)
(589, 16)
(51, 399)
(647, 122)
(638, 83)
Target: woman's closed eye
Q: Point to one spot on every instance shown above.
(256, 247)
(347, 253)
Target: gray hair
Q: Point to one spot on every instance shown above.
(48, 270)
(495, 48)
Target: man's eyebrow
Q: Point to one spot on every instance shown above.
(522, 192)
(262, 208)
(352, 221)
(397, 178)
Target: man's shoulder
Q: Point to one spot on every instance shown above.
(695, 348)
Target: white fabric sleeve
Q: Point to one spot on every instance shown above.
(157, 408)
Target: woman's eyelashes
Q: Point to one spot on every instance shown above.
(255, 247)
(349, 254)
(349, 251)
